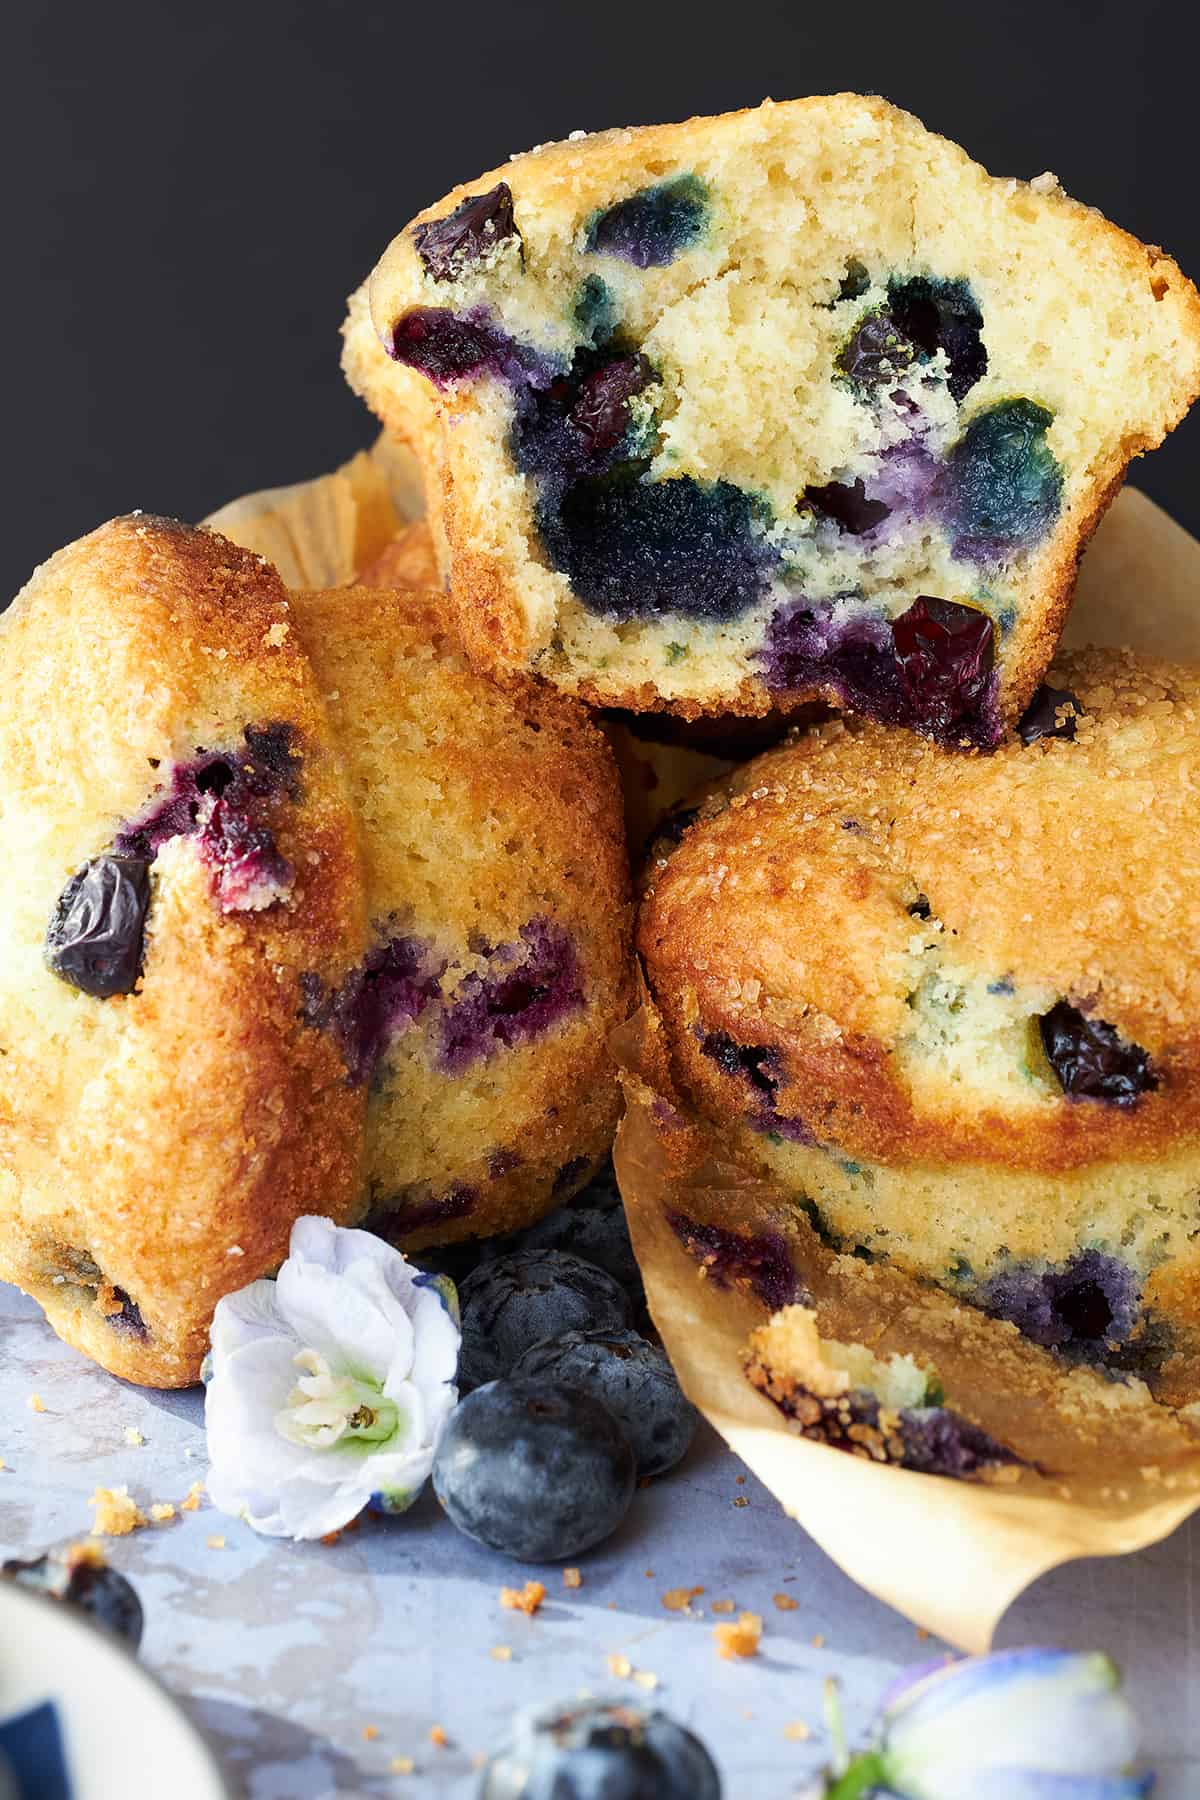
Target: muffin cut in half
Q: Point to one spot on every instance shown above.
(951, 1005)
(300, 914)
(797, 402)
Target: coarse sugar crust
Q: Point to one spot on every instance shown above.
(157, 1146)
(483, 807)
(516, 612)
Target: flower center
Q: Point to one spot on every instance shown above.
(324, 1409)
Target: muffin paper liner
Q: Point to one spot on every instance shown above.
(1109, 1471)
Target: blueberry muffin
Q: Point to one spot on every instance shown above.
(180, 855)
(794, 403)
(950, 1004)
(499, 954)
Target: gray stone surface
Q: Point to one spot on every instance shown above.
(284, 1653)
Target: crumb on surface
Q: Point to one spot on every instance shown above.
(619, 1665)
(785, 1603)
(572, 1578)
(724, 1606)
(680, 1599)
(817, 1641)
(402, 1765)
(370, 1732)
(35, 1403)
(741, 1500)
(117, 1513)
(437, 1735)
(649, 1574)
(645, 1678)
(525, 1600)
(501, 1652)
(133, 1437)
(215, 1543)
(796, 1731)
(162, 1511)
(277, 634)
(741, 1638)
(192, 1503)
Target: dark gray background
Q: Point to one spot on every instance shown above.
(192, 189)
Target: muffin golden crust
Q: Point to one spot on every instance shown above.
(179, 852)
(952, 1004)
(795, 403)
(497, 890)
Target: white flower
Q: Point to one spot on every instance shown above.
(329, 1385)
(1018, 1725)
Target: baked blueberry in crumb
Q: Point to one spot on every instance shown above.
(533, 1469)
(938, 315)
(572, 426)
(449, 347)
(446, 246)
(1088, 1309)
(529, 986)
(760, 1261)
(759, 1066)
(640, 549)
(848, 505)
(1091, 1058)
(1050, 714)
(593, 311)
(651, 228)
(375, 1003)
(1002, 485)
(95, 939)
(127, 1320)
(599, 1750)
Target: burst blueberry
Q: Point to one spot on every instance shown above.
(471, 232)
(448, 347)
(760, 1261)
(375, 1002)
(95, 939)
(529, 986)
(1087, 1309)
(848, 505)
(516, 1300)
(599, 1750)
(630, 1376)
(534, 1469)
(941, 315)
(651, 228)
(944, 652)
(1091, 1058)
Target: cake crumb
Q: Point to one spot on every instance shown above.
(437, 1735)
(817, 1641)
(501, 1652)
(572, 1578)
(741, 1500)
(35, 1403)
(3, 1464)
(785, 1603)
(277, 634)
(796, 1731)
(192, 1503)
(402, 1765)
(133, 1437)
(85, 1556)
(646, 1678)
(117, 1514)
(619, 1665)
(215, 1543)
(740, 1639)
(370, 1732)
(740, 1480)
(649, 1574)
(526, 1599)
(680, 1599)
(922, 1635)
(724, 1606)
(162, 1511)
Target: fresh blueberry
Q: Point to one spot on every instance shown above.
(482, 221)
(529, 986)
(944, 652)
(633, 1378)
(593, 1227)
(1050, 714)
(598, 1750)
(848, 505)
(449, 347)
(93, 1587)
(941, 315)
(534, 1469)
(1002, 486)
(95, 939)
(652, 227)
(515, 1301)
(1091, 1058)
(640, 549)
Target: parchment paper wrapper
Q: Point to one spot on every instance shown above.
(951, 1555)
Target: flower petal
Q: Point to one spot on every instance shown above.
(435, 1352)
(334, 1316)
(251, 1312)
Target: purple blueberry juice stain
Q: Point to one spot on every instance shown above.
(760, 1261)
(931, 1440)
(1087, 1310)
(375, 1003)
(929, 669)
(1091, 1058)
(652, 227)
(579, 424)
(530, 985)
(759, 1067)
(127, 1321)
(447, 247)
(223, 799)
(502, 1162)
(418, 1212)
